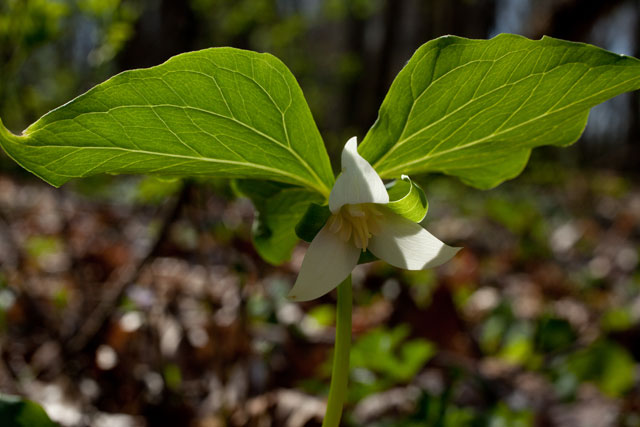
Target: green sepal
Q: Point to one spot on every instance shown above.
(407, 199)
(312, 221)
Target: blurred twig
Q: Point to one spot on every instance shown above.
(117, 284)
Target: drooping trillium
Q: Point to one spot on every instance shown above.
(360, 221)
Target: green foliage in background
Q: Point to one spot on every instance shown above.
(604, 363)
(50, 50)
(397, 360)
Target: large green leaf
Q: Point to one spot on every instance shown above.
(475, 108)
(218, 112)
(279, 207)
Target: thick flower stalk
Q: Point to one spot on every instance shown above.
(360, 220)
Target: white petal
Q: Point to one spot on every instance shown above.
(358, 182)
(405, 244)
(328, 261)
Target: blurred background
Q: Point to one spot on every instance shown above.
(132, 301)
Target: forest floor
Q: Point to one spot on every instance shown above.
(139, 302)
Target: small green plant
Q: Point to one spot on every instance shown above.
(472, 109)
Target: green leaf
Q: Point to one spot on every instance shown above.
(218, 112)
(553, 334)
(475, 108)
(607, 364)
(407, 199)
(396, 358)
(16, 411)
(279, 207)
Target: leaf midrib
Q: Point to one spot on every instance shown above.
(321, 188)
(178, 156)
(417, 98)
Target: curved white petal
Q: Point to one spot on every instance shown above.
(358, 182)
(405, 244)
(328, 261)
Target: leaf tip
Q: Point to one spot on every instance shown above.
(9, 142)
(4, 132)
(6, 138)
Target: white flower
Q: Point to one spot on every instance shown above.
(359, 221)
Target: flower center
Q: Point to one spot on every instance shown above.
(357, 222)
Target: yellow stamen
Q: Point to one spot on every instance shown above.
(356, 221)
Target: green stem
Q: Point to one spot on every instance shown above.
(340, 371)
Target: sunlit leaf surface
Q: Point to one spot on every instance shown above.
(218, 112)
(475, 108)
